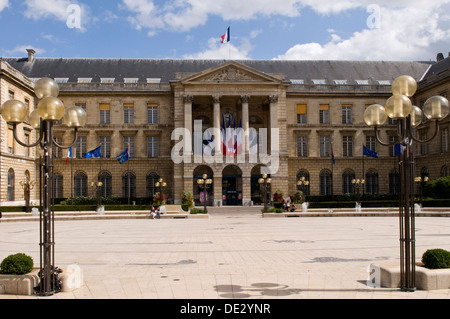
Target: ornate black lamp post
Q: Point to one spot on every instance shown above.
(400, 108)
(27, 186)
(265, 182)
(421, 184)
(204, 183)
(98, 191)
(303, 184)
(161, 184)
(50, 110)
(358, 183)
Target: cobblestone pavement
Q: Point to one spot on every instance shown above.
(233, 254)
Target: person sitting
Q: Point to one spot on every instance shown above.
(293, 208)
(152, 213)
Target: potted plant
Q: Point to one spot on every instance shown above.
(187, 201)
(278, 199)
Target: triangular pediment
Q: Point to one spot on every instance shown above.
(230, 72)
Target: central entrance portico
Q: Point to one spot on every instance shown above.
(227, 98)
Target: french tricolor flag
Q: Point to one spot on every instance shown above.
(226, 37)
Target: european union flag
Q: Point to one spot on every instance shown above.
(369, 152)
(124, 157)
(94, 153)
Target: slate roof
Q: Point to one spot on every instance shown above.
(165, 69)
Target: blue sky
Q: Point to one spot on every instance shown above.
(260, 29)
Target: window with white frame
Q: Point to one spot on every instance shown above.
(347, 144)
(128, 113)
(302, 146)
(325, 146)
(152, 146)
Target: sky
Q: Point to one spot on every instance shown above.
(400, 30)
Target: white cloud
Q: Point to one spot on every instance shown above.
(4, 4)
(219, 51)
(414, 32)
(22, 49)
(56, 9)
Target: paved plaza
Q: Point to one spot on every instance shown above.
(234, 254)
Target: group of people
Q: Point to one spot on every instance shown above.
(288, 207)
(155, 212)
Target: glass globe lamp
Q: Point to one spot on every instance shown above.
(375, 115)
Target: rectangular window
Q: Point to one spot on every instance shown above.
(444, 140)
(325, 146)
(82, 105)
(302, 114)
(302, 146)
(128, 113)
(80, 147)
(10, 141)
(346, 114)
(348, 146)
(152, 147)
(371, 143)
(423, 146)
(128, 141)
(11, 95)
(27, 141)
(105, 143)
(105, 113)
(324, 114)
(57, 152)
(152, 114)
(392, 139)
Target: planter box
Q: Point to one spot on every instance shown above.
(426, 279)
(19, 284)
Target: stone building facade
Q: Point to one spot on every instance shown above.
(309, 112)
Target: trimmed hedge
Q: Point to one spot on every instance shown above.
(436, 259)
(18, 264)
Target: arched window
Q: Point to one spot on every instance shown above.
(347, 185)
(372, 182)
(445, 171)
(326, 183)
(394, 182)
(152, 179)
(11, 188)
(58, 186)
(129, 185)
(106, 179)
(80, 185)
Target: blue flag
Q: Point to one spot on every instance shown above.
(369, 152)
(94, 153)
(398, 149)
(124, 157)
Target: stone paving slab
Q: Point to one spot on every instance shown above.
(233, 254)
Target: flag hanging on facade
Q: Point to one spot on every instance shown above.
(208, 143)
(253, 141)
(224, 145)
(124, 157)
(230, 140)
(239, 139)
(226, 37)
(69, 155)
(399, 149)
(94, 153)
(332, 156)
(369, 152)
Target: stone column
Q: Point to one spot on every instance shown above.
(188, 99)
(217, 140)
(245, 122)
(218, 188)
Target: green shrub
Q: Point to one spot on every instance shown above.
(18, 264)
(438, 188)
(436, 259)
(197, 211)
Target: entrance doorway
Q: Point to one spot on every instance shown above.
(232, 186)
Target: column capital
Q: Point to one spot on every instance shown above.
(188, 98)
(273, 99)
(245, 98)
(216, 98)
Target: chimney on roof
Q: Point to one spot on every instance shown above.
(440, 57)
(31, 53)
